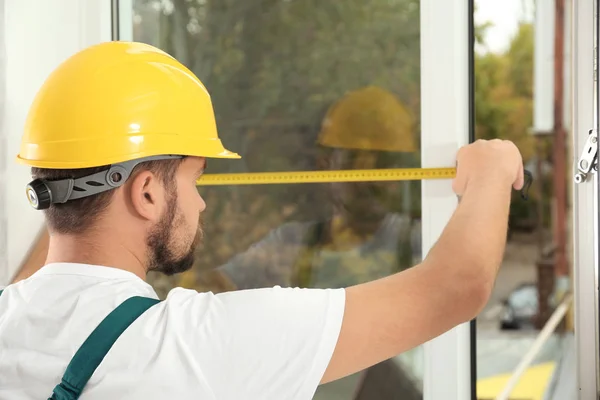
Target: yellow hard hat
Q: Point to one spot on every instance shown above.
(368, 119)
(115, 102)
(118, 104)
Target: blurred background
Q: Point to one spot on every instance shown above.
(522, 94)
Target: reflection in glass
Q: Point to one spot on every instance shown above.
(306, 85)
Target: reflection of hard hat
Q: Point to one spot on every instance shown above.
(115, 102)
(368, 119)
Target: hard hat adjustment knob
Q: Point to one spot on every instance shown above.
(38, 194)
(117, 175)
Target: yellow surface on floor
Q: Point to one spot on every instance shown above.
(531, 386)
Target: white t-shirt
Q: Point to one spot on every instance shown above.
(262, 344)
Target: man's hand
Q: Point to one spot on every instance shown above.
(486, 160)
(388, 316)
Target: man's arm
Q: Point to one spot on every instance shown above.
(386, 317)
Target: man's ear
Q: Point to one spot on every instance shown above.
(146, 195)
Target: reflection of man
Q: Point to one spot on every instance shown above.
(362, 240)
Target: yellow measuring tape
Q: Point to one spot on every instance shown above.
(356, 175)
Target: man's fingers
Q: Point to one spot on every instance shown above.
(458, 181)
(518, 185)
(456, 187)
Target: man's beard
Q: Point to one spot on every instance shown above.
(161, 256)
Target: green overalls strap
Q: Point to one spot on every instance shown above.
(96, 346)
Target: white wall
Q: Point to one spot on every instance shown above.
(543, 104)
(38, 35)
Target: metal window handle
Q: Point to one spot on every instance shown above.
(588, 160)
(528, 180)
(527, 184)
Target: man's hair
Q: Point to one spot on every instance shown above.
(77, 216)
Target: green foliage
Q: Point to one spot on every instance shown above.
(504, 93)
(275, 65)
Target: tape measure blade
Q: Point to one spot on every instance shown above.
(371, 175)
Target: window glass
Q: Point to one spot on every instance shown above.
(532, 280)
(305, 85)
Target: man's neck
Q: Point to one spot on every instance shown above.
(109, 252)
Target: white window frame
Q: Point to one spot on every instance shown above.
(584, 204)
(123, 17)
(445, 128)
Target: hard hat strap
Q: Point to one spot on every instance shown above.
(63, 190)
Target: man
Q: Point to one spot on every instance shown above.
(117, 137)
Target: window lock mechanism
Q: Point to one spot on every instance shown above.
(588, 161)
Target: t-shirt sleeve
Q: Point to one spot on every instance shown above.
(272, 343)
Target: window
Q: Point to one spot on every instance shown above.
(302, 85)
